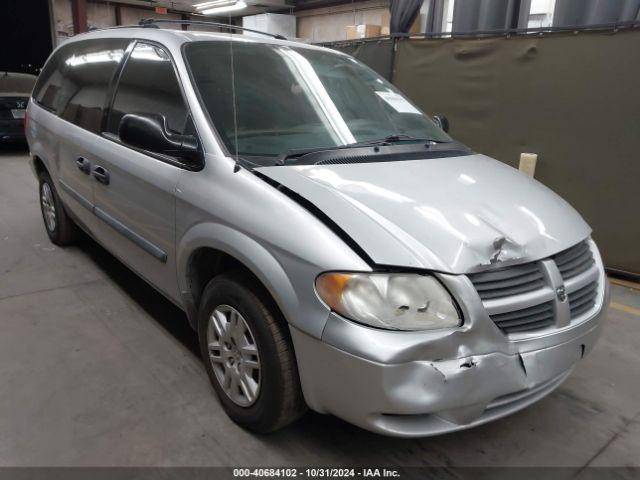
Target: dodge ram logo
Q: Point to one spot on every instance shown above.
(561, 293)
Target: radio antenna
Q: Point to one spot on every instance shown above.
(236, 167)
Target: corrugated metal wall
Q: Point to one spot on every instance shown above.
(589, 12)
(571, 98)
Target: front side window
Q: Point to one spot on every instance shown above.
(75, 81)
(289, 98)
(149, 86)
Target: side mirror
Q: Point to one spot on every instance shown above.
(442, 122)
(150, 132)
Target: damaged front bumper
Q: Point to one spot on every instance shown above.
(426, 383)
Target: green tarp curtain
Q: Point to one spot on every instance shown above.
(572, 98)
(377, 54)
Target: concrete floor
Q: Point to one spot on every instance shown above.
(98, 369)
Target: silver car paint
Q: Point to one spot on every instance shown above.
(141, 196)
(281, 242)
(455, 215)
(425, 383)
(452, 216)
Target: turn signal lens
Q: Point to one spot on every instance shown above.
(391, 301)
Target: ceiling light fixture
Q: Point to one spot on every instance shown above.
(213, 3)
(228, 8)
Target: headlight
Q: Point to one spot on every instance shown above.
(392, 301)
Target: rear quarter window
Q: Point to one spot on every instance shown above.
(75, 80)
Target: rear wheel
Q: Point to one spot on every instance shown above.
(248, 355)
(60, 228)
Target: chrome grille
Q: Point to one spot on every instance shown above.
(583, 300)
(532, 318)
(507, 282)
(530, 297)
(574, 260)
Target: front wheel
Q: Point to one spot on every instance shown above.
(247, 352)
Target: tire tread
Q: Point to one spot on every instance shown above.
(66, 229)
(292, 405)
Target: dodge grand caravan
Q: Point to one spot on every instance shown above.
(333, 247)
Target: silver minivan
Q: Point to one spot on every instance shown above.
(333, 247)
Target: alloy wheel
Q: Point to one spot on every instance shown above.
(48, 207)
(234, 356)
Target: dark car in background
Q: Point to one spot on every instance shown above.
(15, 90)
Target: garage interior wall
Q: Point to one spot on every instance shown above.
(314, 25)
(589, 12)
(131, 16)
(571, 98)
(63, 19)
(330, 23)
(101, 15)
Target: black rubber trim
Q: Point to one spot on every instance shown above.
(623, 274)
(381, 153)
(351, 243)
(76, 196)
(113, 91)
(143, 243)
(344, 236)
(320, 215)
(173, 161)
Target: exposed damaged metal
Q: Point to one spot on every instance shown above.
(500, 251)
(468, 364)
(480, 373)
(412, 208)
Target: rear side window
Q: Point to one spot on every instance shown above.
(51, 79)
(75, 81)
(148, 85)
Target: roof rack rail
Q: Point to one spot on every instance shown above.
(152, 23)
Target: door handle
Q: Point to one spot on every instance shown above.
(101, 175)
(83, 165)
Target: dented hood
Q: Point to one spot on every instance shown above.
(456, 215)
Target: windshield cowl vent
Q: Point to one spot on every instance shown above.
(389, 157)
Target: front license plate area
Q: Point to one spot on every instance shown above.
(542, 365)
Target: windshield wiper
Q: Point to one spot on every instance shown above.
(388, 140)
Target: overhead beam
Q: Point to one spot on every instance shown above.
(52, 23)
(312, 4)
(79, 16)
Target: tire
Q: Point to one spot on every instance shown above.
(60, 228)
(277, 401)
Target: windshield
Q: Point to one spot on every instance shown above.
(290, 98)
